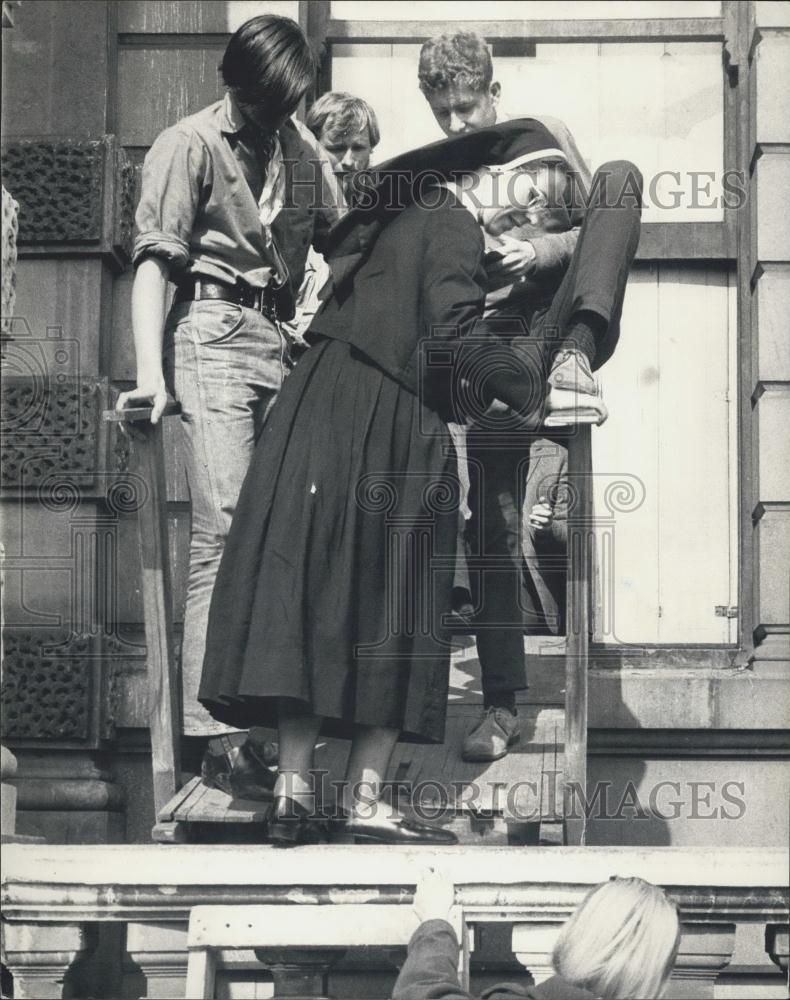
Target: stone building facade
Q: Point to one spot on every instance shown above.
(87, 84)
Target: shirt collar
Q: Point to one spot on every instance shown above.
(232, 120)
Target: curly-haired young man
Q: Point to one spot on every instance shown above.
(566, 283)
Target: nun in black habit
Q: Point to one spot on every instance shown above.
(329, 610)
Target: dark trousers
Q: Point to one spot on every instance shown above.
(497, 477)
(595, 281)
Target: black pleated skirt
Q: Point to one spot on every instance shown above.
(338, 569)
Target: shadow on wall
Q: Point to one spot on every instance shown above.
(687, 792)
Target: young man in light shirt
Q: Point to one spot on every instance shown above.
(232, 199)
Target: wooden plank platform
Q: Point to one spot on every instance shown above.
(492, 802)
(200, 804)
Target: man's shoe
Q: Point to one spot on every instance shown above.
(574, 395)
(241, 766)
(492, 737)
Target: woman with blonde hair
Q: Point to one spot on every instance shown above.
(620, 944)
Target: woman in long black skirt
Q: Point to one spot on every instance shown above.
(329, 604)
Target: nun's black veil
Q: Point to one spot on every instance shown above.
(383, 192)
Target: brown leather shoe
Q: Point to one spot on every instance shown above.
(241, 766)
(574, 395)
(492, 737)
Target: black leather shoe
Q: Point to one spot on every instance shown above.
(290, 824)
(403, 831)
(240, 766)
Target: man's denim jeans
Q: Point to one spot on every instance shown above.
(225, 365)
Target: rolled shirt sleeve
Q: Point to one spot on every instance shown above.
(175, 172)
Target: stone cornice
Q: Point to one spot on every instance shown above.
(121, 883)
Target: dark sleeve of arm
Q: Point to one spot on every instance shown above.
(175, 169)
(502, 362)
(430, 971)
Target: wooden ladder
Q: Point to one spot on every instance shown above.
(578, 629)
(147, 459)
(177, 807)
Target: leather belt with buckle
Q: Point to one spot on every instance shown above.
(200, 289)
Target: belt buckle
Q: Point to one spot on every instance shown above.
(253, 298)
(266, 307)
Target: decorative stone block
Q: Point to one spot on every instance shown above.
(772, 413)
(8, 798)
(73, 194)
(59, 188)
(68, 797)
(777, 944)
(10, 231)
(770, 312)
(50, 423)
(300, 972)
(58, 689)
(770, 183)
(705, 950)
(40, 956)
(46, 694)
(533, 944)
(772, 537)
(155, 963)
(772, 80)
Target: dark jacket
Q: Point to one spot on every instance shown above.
(423, 278)
(430, 972)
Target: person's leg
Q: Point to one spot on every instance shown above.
(593, 288)
(368, 817)
(292, 819)
(225, 366)
(582, 324)
(371, 751)
(298, 732)
(495, 499)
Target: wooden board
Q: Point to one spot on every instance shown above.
(521, 787)
(515, 787)
(197, 803)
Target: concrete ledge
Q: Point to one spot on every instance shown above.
(51, 893)
(169, 869)
(690, 698)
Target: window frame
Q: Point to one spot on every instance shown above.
(660, 240)
(724, 242)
